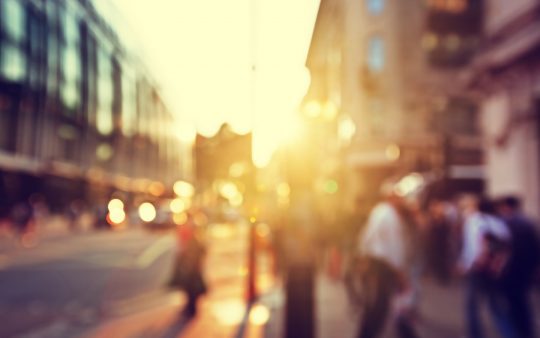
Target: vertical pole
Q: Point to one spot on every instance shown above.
(251, 264)
(252, 267)
(536, 107)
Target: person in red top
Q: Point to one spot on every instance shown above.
(189, 267)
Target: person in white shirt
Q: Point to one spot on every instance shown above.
(385, 248)
(479, 225)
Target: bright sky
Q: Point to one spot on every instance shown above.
(202, 53)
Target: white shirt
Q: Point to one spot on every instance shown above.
(476, 226)
(384, 236)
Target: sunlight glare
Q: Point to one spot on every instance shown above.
(243, 66)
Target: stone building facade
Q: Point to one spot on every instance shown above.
(506, 75)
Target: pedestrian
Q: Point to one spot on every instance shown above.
(22, 217)
(73, 213)
(522, 267)
(387, 255)
(188, 271)
(437, 241)
(483, 254)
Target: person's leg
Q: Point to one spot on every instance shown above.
(500, 310)
(191, 305)
(377, 301)
(521, 312)
(472, 307)
(405, 327)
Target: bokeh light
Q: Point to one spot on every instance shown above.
(147, 212)
(177, 205)
(183, 189)
(115, 204)
(259, 315)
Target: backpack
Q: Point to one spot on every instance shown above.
(495, 256)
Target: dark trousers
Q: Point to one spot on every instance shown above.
(478, 289)
(520, 310)
(381, 284)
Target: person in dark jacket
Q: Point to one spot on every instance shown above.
(188, 273)
(522, 266)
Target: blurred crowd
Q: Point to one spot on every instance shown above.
(489, 245)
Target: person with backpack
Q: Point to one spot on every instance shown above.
(522, 267)
(484, 255)
(386, 264)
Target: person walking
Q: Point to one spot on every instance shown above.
(522, 267)
(438, 241)
(188, 272)
(386, 250)
(483, 254)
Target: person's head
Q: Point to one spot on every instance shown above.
(486, 206)
(508, 205)
(388, 193)
(436, 207)
(468, 204)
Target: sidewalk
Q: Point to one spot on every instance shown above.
(333, 315)
(441, 312)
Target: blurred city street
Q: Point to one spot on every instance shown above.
(269, 169)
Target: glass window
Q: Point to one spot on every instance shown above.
(92, 79)
(13, 19)
(52, 57)
(70, 95)
(71, 64)
(144, 106)
(71, 71)
(376, 54)
(128, 104)
(375, 6)
(104, 122)
(52, 14)
(71, 29)
(13, 66)
(52, 63)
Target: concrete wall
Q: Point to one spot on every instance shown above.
(501, 12)
(512, 163)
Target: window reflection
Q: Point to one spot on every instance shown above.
(13, 63)
(128, 105)
(13, 60)
(376, 54)
(70, 63)
(71, 77)
(375, 6)
(104, 122)
(13, 19)
(71, 29)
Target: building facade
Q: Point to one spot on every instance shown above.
(506, 75)
(80, 116)
(396, 65)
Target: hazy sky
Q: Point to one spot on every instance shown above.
(203, 50)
